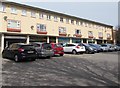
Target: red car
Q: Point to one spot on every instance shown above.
(58, 50)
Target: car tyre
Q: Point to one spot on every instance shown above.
(16, 58)
(61, 54)
(33, 59)
(74, 52)
(87, 51)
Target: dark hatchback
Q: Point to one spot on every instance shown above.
(89, 49)
(20, 52)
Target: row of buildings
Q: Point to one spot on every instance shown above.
(23, 23)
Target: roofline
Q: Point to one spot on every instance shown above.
(49, 11)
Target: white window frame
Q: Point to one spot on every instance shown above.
(78, 30)
(62, 30)
(41, 15)
(61, 19)
(77, 22)
(67, 21)
(90, 33)
(2, 7)
(72, 21)
(55, 18)
(24, 12)
(14, 10)
(9, 23)
(41, 27)
(33, 14)
(108, 35)
(100, 34)
(48, 17)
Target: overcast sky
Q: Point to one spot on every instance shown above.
(101, 11)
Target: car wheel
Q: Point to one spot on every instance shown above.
(61, 54)
(74, 52)
(87, 51)
(33, 59)
(16, 58)
(48, 57)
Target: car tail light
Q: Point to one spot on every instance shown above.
(77, 46)
(20, 50)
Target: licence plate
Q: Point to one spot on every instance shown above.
(30, 51)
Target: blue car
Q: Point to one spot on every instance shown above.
(96, 46)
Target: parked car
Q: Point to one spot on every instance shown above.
(107, 47)
(43, 49)
(116, 48)
(58, 49)
(88, 48)
(104, 47)
(19, 52)
(96, 46)
(74, 48)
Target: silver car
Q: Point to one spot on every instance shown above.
(43, 49)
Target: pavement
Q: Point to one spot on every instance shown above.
(100, 69)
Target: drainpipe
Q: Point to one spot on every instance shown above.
(2, 42)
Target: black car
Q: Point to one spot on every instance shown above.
(19, 52)
(88, 48)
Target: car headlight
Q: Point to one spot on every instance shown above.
(91, 48)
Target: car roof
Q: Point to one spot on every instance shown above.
(21, 44)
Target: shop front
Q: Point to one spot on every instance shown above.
(63, 40)
(9, 39)
(38, 38)
(76, 40)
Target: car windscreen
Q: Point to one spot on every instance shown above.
(46, 46)
(87, 45)
(27, 47)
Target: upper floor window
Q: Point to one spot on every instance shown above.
(41, 15)
(14, 10)
(77, 31)
(24, 12)
(55, 18)
(48, 17)
(100, 34)
(90, 33)
(108, 35)
(77, 22)
(62, 30)
(41, 27)
(33, 14)
(83, 23)
(67, 20)
(2, 7)
(72, 21)
(13, 25)
(61, 19)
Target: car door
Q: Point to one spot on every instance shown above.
(65, 48)
(8, 51)
(70, 47)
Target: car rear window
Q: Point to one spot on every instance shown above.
(46, 46)
(104, 45)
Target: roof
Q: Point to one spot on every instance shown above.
(49, 11)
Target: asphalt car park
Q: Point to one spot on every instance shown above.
(100, 69)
